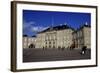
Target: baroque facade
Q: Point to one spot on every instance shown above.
(82, 37)
(29, 42)
(60, 36)
(55, 37)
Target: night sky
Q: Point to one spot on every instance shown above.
(35, 21)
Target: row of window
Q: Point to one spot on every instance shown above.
(49, 42)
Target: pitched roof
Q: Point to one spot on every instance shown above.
(59, 27)
(33, 36)
(84, 26)
(25, 35)
(89, 26)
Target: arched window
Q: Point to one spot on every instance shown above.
(31, 46)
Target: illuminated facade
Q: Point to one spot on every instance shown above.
(60, 36)
(55, 37)
(82, 37)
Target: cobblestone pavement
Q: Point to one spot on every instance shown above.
(33, 55)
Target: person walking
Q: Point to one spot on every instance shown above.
(83, 51)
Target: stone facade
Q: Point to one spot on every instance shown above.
(82, 37)
(40, 40)
(29, 41)
(55, 37)
(25, 42)
(60, 36)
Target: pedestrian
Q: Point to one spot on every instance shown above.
(83, 51)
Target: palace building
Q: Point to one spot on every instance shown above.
(82, 37)
(29, 42)
(61, 36)
(55, 37)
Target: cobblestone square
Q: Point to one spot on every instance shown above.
(38, 55)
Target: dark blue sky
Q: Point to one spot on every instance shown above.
(35, 21)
